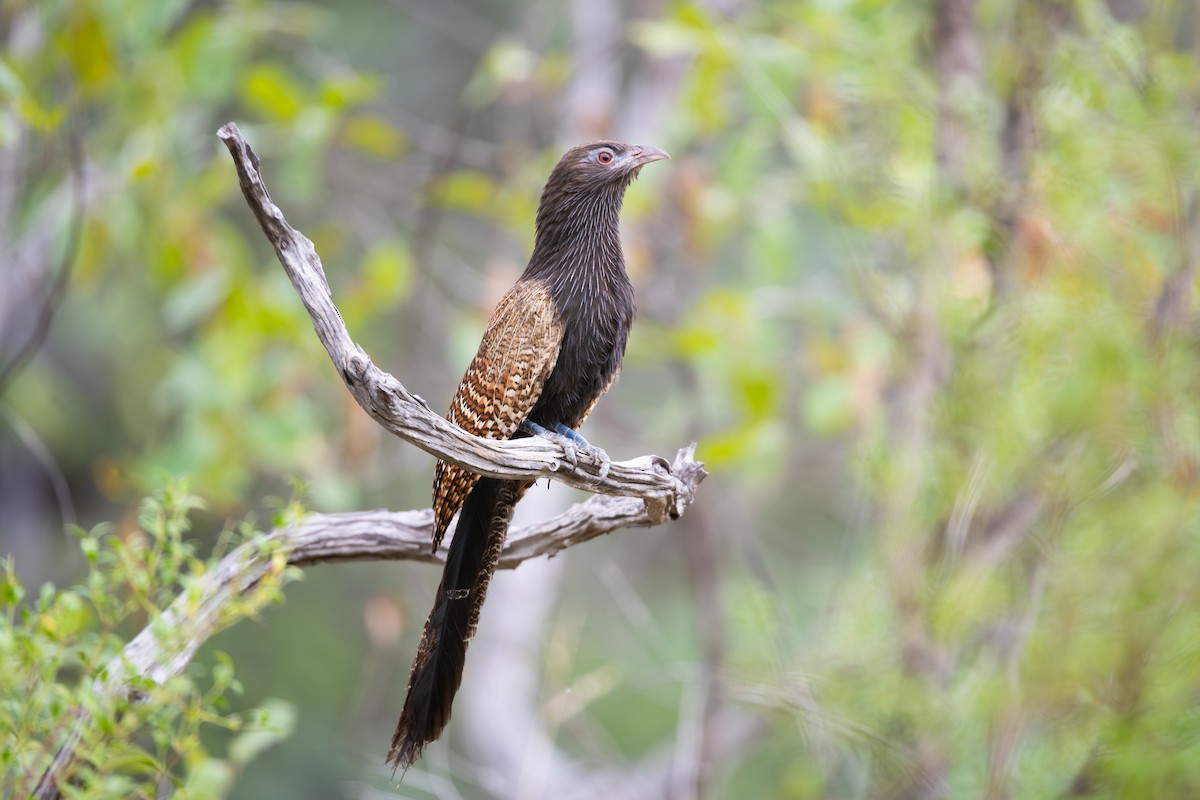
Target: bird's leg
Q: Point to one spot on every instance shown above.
(572, 444)
(567, 444)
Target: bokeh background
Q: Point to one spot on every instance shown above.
(918, 278)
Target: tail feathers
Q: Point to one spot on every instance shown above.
(438, 666)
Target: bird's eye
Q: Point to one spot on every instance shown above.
(604, 156)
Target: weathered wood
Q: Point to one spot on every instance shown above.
(405, 414)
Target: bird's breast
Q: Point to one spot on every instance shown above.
(596, 325)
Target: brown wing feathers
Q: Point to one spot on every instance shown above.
(501, 386)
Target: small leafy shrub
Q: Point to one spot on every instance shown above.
(62, 668)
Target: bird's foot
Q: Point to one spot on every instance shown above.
(595, 454)
(573, 445)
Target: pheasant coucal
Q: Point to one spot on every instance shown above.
(552, 347)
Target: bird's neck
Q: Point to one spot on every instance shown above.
(578, 238)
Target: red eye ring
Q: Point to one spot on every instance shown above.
(605, 156)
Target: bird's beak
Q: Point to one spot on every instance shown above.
(644, 154)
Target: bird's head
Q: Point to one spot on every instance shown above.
(583, 195)
(602, 165)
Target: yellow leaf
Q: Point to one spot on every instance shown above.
(374, 136)
(88, 50)
(467, 190)
(271, 92)
(347, 91)
(387, 270)
(143, 168)
(48, 624)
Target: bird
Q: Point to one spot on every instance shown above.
(551, 348)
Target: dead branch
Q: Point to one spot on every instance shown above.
(48, 307)
(359, 536)
(405, 414)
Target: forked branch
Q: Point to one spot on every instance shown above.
(408, 416)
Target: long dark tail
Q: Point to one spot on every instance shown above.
(438, 667)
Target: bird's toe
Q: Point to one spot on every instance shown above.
(570, 451)
(600, 458)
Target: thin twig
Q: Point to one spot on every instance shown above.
(42, 454)
(53, 299)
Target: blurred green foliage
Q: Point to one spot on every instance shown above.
(60, 649)
(985, 592)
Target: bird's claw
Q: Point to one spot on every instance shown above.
(572, 445)
(570, 452)
(600, 459)
(573, 450)
(582, 445)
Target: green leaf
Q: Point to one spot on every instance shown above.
(271, 92)
(86, 45)
(827, 405)
(11, 591)
(388, 270)
(467, 191)
(273, 722)
(374, 136)
(349, 90)
(195, 298)
(209, 778)
(71, 613)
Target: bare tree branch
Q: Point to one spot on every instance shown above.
(408, 416)
(959, 64)
(58, 287)
(166, 646)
